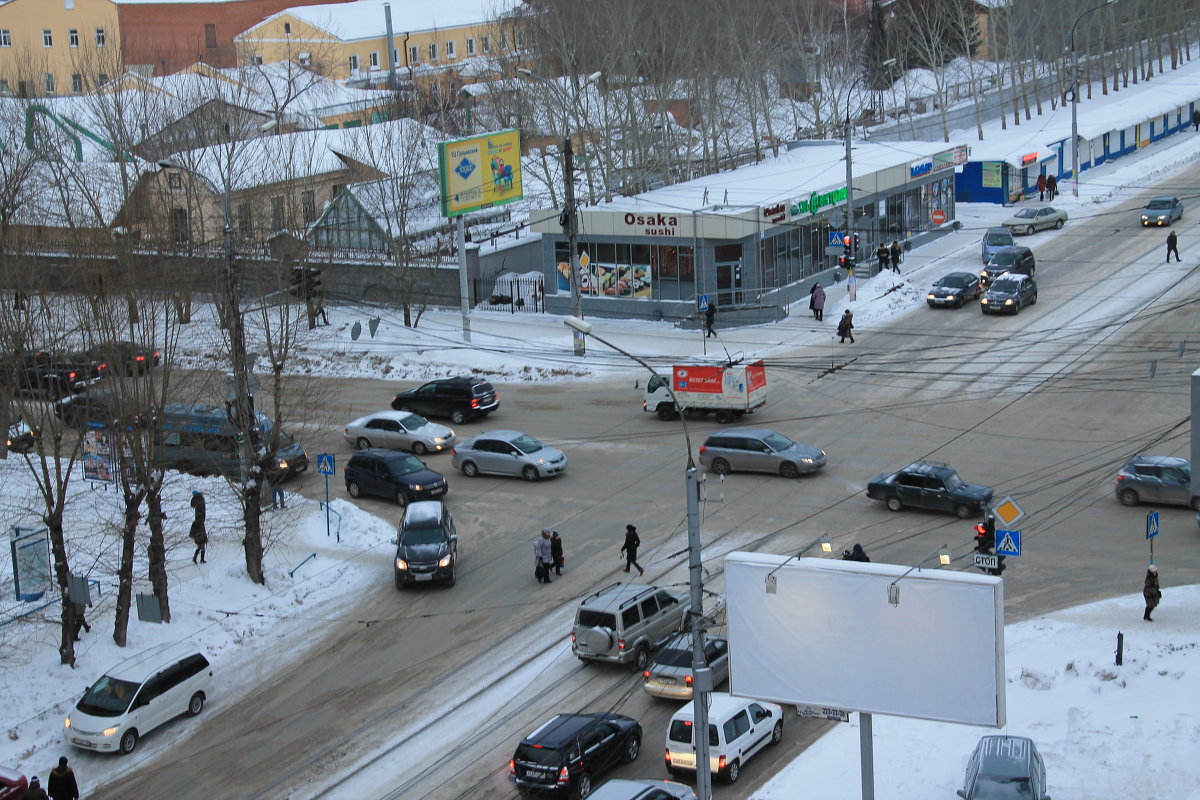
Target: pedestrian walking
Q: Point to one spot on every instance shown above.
(1041, 186)
(846, 326)
(1196, 119)
(35, 790)
(1151, 592)
(556, 553)
(710, 314)
(1052, 186)
(80, 622)
(857, 554)
(1172, 246)
(895, 248)
(198, 533)
(630, 548)
(881, 253)
(278, 499)
(543, 557)
(61, 784)
(817, 302)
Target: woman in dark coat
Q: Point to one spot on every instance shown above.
(556, 553)
(846, 326)
(1151, 592)
(198, 533)
(62, 784)
(817, 302)
(630, 548)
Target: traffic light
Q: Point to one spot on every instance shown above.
(981, 545)
(297, 289)
(855, 244)
(846, 243)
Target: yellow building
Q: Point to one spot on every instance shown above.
(348, 41)
(58, 47)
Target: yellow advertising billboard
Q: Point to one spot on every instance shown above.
(480, 172)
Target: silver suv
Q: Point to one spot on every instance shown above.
(623, 622)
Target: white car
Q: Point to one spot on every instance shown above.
(399, 430)
(739, 726)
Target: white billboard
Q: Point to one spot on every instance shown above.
(828, 637)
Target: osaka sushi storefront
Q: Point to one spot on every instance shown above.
(652, 256)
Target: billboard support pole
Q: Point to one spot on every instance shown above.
(866, 756)
(464, 300)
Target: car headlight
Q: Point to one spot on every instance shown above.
(401, 563)
(283, 464)
(67, 722)
(807, 460)
(983, 300)
(438, 440)
(445, 560)
(930, 296)
(542, 461)
(1008, 302)
(109, 731)
(418, 488)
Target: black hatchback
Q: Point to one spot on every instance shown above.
(389, 473)
(570, 751)
(460, 399)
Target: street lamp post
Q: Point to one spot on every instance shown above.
(569, 218)
(702, 677)
(1075, 99)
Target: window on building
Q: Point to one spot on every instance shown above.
(470, 46)
(487, 44)
(73, 38)
(451, 51)
(48, 82)
(520, 39)
(354, 63)
(374, 59)
(4, 90)
(414, 55)
(210, 35)
(433, 51)
(5, 37)
(503, 40)
(101, 79)
(245, 219)
(256, 59)
(76, 83)
(100, 37)
(277, 216)
(396, 57)
(305, 59)
(179, 226)
(47, 38)
(174, 180)
(308, 202)
(287, 29)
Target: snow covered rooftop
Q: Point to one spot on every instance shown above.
(364, 19)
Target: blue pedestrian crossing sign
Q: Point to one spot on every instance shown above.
(325, 463)
(1008, 543)
(836, 239)
(702, 302)
(1152, 525)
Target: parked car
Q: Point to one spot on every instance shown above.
(924, 484)
(1156, 479)
(1002, 767)
(21, 437)
(1162, 211)
(670, 675)
(1008, 294)
(995, 239)
(388, 473)
(127, 357)
(623, 622)
(954, 290)
(508, 453)
(138, 695)
(399, 430)
(620, 789)
(738, 728)
(100, 406)
(569, 751)
(1028, 220)
(1011, 259)
(58, 374)
(460, 399)
(426, 545)
(758, 450)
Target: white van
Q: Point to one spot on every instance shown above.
(138, 695)
(737, 729)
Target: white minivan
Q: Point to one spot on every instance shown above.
(138, 695)
(738, 727)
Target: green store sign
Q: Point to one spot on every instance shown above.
(816, 202)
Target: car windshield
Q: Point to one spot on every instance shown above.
(952, 481)
(109, 697)
(777, 441)
(405, 465)
(954, 281)
(681, 731)
(413, 422)
(589, 618)
(527, 444)
(424, 535)
(1006, 286)
(999, 238)
(1003, 260)
(1025, 213)
(1160, 203)
(674, 657)
(994, 787)
(537, 754)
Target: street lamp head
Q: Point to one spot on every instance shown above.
(575, 323)
(528, 73)
(595, 76)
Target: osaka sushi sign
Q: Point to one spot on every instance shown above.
(480, 172)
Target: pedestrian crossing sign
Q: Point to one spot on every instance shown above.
(1008, 543)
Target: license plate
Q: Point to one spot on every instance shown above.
(442, 490)
(684, 759)
(423, 576)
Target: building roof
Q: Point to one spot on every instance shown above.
(364, 19)
(264, 161)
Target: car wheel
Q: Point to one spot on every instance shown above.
(129, 741)
(777, 733)
(724, 417)
(733, 771)
(401, 498)
(1058, 225)
(196, 704)
(1195, 504)
(419, 449)
(1128, 497)
(583, 786)
(930, 303)
(458, 416)
(789, 470)
(1016, 308)
(469, 469)
(720, 466)
(530, 473)
(363, 443)
(633, 749)
(450, 581)
(665, 412)
(1033, 299)
(641, 658)
(354, 489)
(894, 503)
(962, 511)
(958, 302)
(1029, 229)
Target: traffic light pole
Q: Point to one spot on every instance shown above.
(851, 254)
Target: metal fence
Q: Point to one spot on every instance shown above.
(512, 293)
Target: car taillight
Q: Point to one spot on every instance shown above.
(512, 767)
(703, 449)
(1120, 477)
(453, 451)
(474, 402)
(721, 763)
(620, 644)
(140, 358)
(646, 675)
(71, 375)
(668, 757)
(564, 777)
(688, 680)
(572, 637)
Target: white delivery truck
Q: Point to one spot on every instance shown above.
(727, 391)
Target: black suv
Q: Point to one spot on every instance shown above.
(58, 374)
(389, 473)
(570, 751)
(427, 544)
(1011, 259)
(927, 485)
(459, 398)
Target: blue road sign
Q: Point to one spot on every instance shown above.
(836, 239)
(1008, 543)
(1152, 525)
(702, 302)
(325, 463)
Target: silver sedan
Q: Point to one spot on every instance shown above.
(508, 453)
(399, 430)
(670, 675)
(1028, 220)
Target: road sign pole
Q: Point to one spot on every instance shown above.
(327, 506)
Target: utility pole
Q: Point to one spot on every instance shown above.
(570, 224)
(702, 684)
(853, 256)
